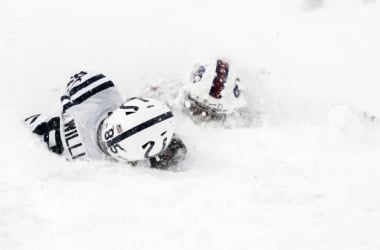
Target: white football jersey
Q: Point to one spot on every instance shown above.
(72, 129)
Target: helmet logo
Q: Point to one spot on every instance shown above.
(236, 88)
(220, 79)
(198, 73)
(119, 129)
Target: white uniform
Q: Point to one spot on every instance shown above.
(72, 129)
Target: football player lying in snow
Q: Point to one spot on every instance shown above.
(92, 122)
(213, 92)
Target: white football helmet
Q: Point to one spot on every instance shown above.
(214, 90)
(139, 129)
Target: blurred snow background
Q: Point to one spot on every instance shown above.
(306, 178)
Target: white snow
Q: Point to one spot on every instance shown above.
(306, 177)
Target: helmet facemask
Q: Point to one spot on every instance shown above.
(202, 112)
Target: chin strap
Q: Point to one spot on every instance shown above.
(101, 143)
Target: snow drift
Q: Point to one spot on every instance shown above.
(305, 177)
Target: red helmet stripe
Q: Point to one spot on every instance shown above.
(220, 79)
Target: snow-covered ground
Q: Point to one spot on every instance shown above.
(306, 177)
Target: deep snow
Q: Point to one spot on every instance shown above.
(305, 177)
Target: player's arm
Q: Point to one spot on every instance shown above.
(82, 87)
(171, 156)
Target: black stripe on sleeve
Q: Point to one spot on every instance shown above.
(88, 94)
(77, 156)
(85, 84)
(67, 101)
(67, 106)
(139, 128)
(65, 97)
(92, 92)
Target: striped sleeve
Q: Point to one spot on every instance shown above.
(83, 86)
